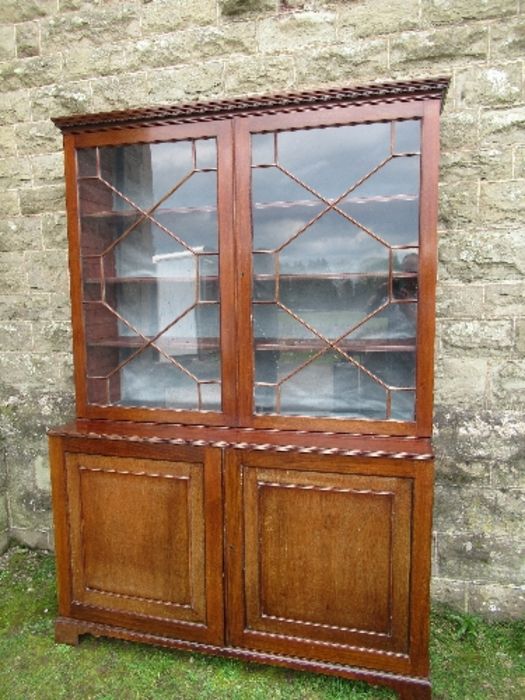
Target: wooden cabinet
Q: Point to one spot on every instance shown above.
(250, 470)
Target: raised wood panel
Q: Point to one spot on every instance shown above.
(320, 562)
(143, 542)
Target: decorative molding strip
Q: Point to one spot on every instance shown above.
(141, 599)
(258, 447)
(243, 106)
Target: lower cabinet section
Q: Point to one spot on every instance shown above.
(325, 559)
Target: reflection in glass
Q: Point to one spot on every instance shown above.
(152, 327)
(407, 136)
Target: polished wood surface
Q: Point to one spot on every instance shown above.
(292, 540)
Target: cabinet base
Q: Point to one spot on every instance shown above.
(68, 631)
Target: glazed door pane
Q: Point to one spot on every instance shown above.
(150, 260)
(335, 259)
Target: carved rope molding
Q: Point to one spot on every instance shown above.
(243, 106)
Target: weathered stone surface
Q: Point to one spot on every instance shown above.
(15, 173)
(254, 75)
(503, 125)
(498, 84)
(181, 84)
(34, 539)
(16, 335)
(370, 18)
(9, 203)
(450, 472)
(31, 72)
(97, 25)
(458, 204)
(238, 8)
(519, 161)
(38, 137)
(487, 434)
(362, 59)
(497, 602)
(504, 299)
(54, 231)
(114, 93)
(165, 16)
(448, 591)
(13, 276)
(7, 141)
(298, 31)
(509, 474)
(27, 39)
(459, 129)
(508, 40)
(450, 11)
(60, 100)
(54, 336)
(48, 169)
(493, 163)
(508, 383)
(480, 557)
(460, 381)
(12, 11)
(520, 335)
(484, 254)
(48, 271)
(37, 372)
(443, 47)
(453, 299)
(502, 201)
(15, 107)
(44, 198)
(473, 336)
(4, 519)
(7, 43)
(34, 307)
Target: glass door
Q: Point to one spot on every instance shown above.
(334, 215)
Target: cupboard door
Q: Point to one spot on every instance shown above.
(320, 561)
(145, 543)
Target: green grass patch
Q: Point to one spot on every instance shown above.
(471, 659)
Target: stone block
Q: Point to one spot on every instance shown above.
(479, 557)
(370, 18)
(484, 435)
(52, 336)
(454, 299)
(499, 84)
(31, 72)
(41, 199)
(439, 49)
(184, 84)
(121, 93)
(450, 592)
(15, 173)
(7, 141)
(468, 336)
(13, 11)
(459, 129)
(455, 472)
(519, 161)
(34, 539)
(4, 518)
(88, 61)
(38, 137)
(504, 125)
(101, 25)
(27, 39)
(164, 16)
(48, 270)
(502, 201)
(493, 163)
(60, 100)
(35, 306)
(240, 8)
(361, 60)
(54, 231)
(484, 255)
(295, 33)
(4, 541)
(461, 381)
(458, 204)
(455, 11)
(9, 203)
(15, 107)
(508, 383)
(510, 474)
(507, 39)
(36, 371)
(15, 336)
(496, 602)
(7, 43)
(13, 274)
(258, 74)
(520, 335)
(48, 169)
(504, 299)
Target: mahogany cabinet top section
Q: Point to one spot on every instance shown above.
(220, 109)
(265, 263)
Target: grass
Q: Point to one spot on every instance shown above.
(471, 659)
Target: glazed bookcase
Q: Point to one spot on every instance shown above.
(250, 470)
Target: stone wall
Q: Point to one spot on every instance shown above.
(64, 56)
